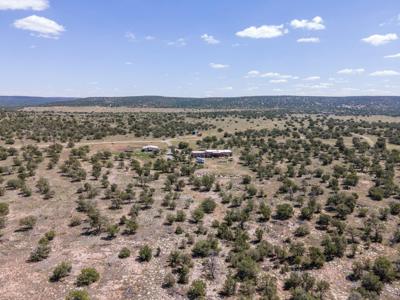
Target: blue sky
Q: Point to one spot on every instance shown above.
(199, 48)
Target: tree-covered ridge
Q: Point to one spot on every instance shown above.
(389, 105)
(18, 101)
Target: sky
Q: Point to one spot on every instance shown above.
(207, 48)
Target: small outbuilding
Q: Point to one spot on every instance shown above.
(151, 149)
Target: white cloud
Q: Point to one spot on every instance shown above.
(380, 39)
(312, 78)
(308, 40)
(41, 26)
(385, 73)
(181, 42)
(252, 74)
(227, 88)
(263, 32)
(270, 74)
(394, 20)
(128, 62)
(218, 66)
(252, 88)
(278, 75)
(278, 81)
(24, 4)
(149, 38)
(209, 39)
(322, 85)
(317, 23)
(350, 89)
(393, 56)
(274, 75)
(130, 36)
(351, 71)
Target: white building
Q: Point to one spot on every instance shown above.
(212, 153)
(151, 148)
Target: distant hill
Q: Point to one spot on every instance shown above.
(18, 101)
(361, 105)
(388, 105)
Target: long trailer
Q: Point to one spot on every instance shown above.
(212, 153)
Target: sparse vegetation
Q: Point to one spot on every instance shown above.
(298, 192)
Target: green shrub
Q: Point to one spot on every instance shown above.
(112, 230)
(376, 193)
(60, 271)
(43, 185)
(307, 213)
(265, 211)
(259, 234)
(124, 253)
(87, 276)
(207, 181)
(302, 230)
(384, 269)
(131, 226)
(50, 235)
(362, 212)
(208, 205)
(371, 283)
(394, 208)
(145, 253)
(266, 284)
(170, 219)
(247, 269)
(183, 274)
(180, 216)
(27, 223)
(316, 258)
(284, 211)
(2, 223)
(324, 221)
(178, 230)
(41, 252)
(204, 248)
(251, 190)
(229, 288)
(197, 290)
(198, 214)
(14, 184)
(351, 180)
(78, 295)
(4, 209)
(334, 246)
(396, 236)
(26, 190)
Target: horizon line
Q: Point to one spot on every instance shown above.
(199, 97)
